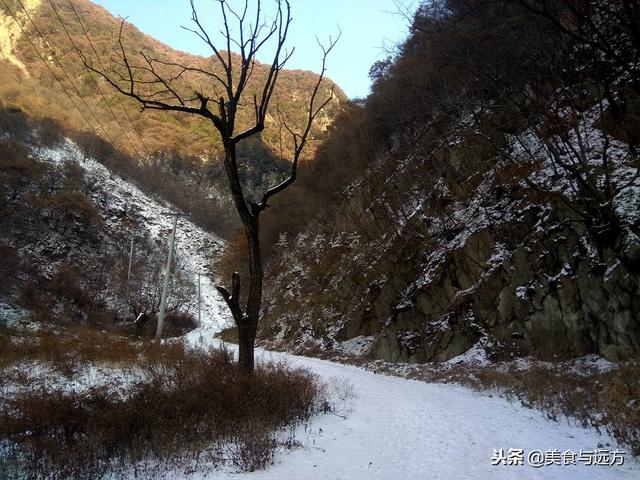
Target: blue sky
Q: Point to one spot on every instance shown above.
(368, 28)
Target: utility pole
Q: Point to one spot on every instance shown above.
(167, 272)
(131, 221)
(130, 259)
(129, 269)
(199, 303)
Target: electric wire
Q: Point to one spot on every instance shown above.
(79, 53)
(77, 92)
(53, 74)
(124, 109)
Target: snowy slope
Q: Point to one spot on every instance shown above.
(405, 429)
(196, 248)
(386, 427)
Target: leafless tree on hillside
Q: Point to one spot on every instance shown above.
(154, 84)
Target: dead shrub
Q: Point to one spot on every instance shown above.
(50, 131)
(619, 399)
(62, 359)
(10, 265)
(178, 324)
(65, 349)
(67, 205)
(192, 405)
(17, 168)
(252, 447)
(229, 334)
(14, 122)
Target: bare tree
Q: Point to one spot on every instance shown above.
(143, 291)
(154, 83)
(606, 28)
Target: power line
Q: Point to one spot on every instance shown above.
(69, 78)
(86, 34)
(91, 75)
(50, 69)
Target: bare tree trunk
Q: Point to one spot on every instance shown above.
(154, 88)
(247, 332)
(246, 347)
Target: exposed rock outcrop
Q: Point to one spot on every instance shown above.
(494, 265)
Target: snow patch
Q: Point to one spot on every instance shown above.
(355, 346)
(196, 248)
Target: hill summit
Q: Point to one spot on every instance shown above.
(41, 47)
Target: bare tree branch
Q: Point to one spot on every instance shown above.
(300, 139)
(157, 84)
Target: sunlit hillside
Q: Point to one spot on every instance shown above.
(43, 42)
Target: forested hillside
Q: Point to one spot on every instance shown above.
(70, 227)
(44, 46)
(473, 223)
(57, 29)
(485, 198)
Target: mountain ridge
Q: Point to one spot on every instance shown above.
(477, 202)
(188, 135)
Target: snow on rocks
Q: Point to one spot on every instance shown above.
(588, 149)
(355, 346)
(13, 316)
(196, 248)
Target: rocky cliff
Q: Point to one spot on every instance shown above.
(484, 200)
(496, 263)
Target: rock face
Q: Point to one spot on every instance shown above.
(536, 284)
(10, 32)
(486, 265)
(532, 287)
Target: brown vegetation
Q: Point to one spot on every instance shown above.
(41, 96)
(65, 349)
(192, 408)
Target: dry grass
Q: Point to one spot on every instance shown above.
(229, 335)
(607, 400)
(65, 350)
(193, 408)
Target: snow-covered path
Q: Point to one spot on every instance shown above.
(389, 428)
(406, 429)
